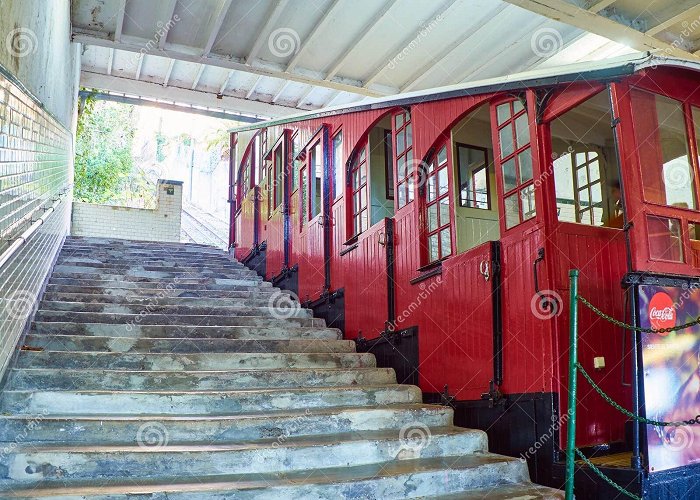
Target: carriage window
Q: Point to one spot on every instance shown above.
(358, 186)
(694, 234)
(388, 170)
(296, 163)
(403, 153)
(316, 178)
(473, 177)
(665, 239)
(585, 165)
(662, 141)
(437, 207)
(279, 175)
(516, 162)
(303, 197)
(260, 150)
(245, 182)
(338, 165)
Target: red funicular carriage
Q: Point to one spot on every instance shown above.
(438, 228)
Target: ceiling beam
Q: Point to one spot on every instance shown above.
(306, 94)
(139, 66)
(280, 91)
(191, 54)
(251, 91)
(218, 19)
(110, 62)
(171, 93)
(598, 6)
(563, 11)
(673, 16)
(198, 76)
(318, 26)
(437, 59)
(224, 85)
(271, 16)
(170, 12)
(376, 19)
(169, 72)
(379, 69)
(121, 14)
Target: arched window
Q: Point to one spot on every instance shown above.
(358, 191)
(437, 206)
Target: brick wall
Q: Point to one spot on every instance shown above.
(160, 224)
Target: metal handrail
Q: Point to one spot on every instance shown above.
(22, 238)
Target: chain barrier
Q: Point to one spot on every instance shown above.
(628, 413)
(622, 324)
(604, 477)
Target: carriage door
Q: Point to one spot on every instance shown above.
(314, 261)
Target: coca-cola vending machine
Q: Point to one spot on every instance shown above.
(671, 372)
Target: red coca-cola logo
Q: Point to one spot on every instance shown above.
(662, 313)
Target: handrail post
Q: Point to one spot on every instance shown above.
(573, 372)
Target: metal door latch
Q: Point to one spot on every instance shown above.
(485, 269)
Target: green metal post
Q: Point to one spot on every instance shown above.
(573, 360)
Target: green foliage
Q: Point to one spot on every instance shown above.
(103, 158)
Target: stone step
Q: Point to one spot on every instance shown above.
(187, 331)
(192, 361)
(214, 284)
(84, 343)
(132, 380)
(159, 274)
(165, 277)
(484, 473)
(163, 299)
(127, 320)
(101, 243)
(118, 290)
(107, 429)
(118, 263)
(202, 402)
(281, 309)
(94, 462)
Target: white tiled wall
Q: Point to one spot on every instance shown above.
(104, 221)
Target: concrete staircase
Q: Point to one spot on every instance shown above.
(170, 371)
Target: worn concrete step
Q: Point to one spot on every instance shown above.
(85, 343)
(153, 246)
(133, 380)
(94, 462)
(203, 402)
(286, 309)
(284, 332)
(108, 429)
(396, 479)
(63, 271)
(165, 299)
(191, 361)
(146, 318)
(118, 290)
(146, 264)
(165, 277)
(213, 284)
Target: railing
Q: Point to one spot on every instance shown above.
(20, 240)
(575, 368)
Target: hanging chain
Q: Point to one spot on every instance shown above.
(604, 477)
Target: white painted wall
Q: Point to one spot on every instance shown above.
(106, 221)
(35, 48)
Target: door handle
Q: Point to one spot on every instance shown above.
(485, 269)
(540, 258)
(382, 239)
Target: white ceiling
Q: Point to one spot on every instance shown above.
(273, 57)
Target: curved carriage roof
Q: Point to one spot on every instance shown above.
(597, 70)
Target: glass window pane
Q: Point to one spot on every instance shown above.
(503, 112)
(444, 211)
(522, 131)
(662, 142)
(400, 142)
(401, 167)
(527, 197)
(402, 195)
(445, 242)
(582, 176)
(694, 233)
(442, 181)
(410, 191)
(665, 238)
(505, 138)
(525, 161)
(596, 194)
(512, 214)
(509, 178)
(409, 136)
(433, 247)
(517, 106)
(432, 217)
(594, 169)
(431, 188)
(338, 165)
(399, 120)
(442, 155)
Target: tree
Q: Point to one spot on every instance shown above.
(103, 157)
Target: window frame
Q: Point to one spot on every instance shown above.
(405, 183)
(358, 162)
(460, 183)
(520, 187)
(389, 164)
(428, 174)
(338, 166)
